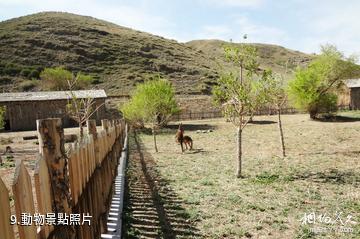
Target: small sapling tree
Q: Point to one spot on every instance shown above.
(80, 109)
(278, 98)
(241, 95)
(152, 102)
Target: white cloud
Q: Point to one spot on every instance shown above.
(334, 23)
(260, 32)
(134, 17)
(234, 3)
(241, 26)
(216, 32)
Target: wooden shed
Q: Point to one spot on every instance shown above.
(24, 108)
(354, 87)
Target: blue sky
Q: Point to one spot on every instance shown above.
(297, 24)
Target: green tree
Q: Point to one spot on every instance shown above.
(152, 102)
(314, 87)
(241, 95)
(60, 79)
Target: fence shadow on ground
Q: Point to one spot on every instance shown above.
(333, 176)
(152, 208)
(338, 119)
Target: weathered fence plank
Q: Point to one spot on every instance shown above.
(73, 175)
(43, 193)
(5, 227)
(24, 202)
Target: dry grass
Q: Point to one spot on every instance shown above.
(321, 175)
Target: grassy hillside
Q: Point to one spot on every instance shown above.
(275, 57)
(116, 56)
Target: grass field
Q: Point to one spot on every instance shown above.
(196, 194)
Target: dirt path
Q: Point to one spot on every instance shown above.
(152, 209)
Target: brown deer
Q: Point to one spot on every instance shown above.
(183, 139)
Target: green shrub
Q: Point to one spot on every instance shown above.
(34, 74)
(55, 78)
(11, 69)
(25, 72)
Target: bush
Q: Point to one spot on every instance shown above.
(34, 74)
(25, 72)
(55, 78)
(83, 81)
(11, 69)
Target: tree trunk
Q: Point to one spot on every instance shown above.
(281, 133)
(313, 113)
(241, 74)
(81, 132)
(239, 151)
(154, 134)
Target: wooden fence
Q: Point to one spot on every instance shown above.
(73, 184)
(216, 113)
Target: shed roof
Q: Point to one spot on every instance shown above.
(353, 83)
(50, 95)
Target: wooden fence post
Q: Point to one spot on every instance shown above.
(5, 228)
(52, 149)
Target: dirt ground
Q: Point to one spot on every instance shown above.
(196, 194)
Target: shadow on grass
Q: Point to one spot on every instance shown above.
(338, 119)
(333, 176)
(192, 127)
(196, 151)
(152, 208)
(260, 122)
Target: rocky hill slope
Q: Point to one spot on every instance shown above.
(117, 57)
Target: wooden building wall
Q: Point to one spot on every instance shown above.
(22, 115)
(355, 98)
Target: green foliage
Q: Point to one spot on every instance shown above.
(278, 93)
(61, 79)
(56, 78)
(34, 74)
(83, 81)
(152, 102)
(314, 87)
(25, 72)
(240, 98)
(19, 71)
(244, 56)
